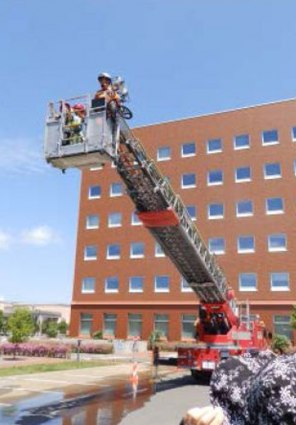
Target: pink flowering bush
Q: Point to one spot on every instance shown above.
(36, 350)
(91, 348)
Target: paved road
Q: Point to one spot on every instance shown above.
(175, 394)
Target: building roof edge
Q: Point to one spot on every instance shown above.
(225, 111)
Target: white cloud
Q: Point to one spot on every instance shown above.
(19, 156)
(5, 240)
(40, 235)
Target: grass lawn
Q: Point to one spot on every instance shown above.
(51, 367)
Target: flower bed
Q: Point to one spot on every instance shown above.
(93, 348)
(36, 350)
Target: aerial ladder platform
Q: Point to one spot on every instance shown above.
(103, 139)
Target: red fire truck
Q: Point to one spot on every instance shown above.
(222, 329)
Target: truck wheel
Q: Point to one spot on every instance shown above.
(201, 376)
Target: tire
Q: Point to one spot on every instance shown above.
(125, 112)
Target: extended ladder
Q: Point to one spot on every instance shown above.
(167, 218)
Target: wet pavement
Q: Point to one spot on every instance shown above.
(104, 396)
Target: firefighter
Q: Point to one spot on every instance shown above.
(106, 92)
(74, 119)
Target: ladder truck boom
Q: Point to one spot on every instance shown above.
(103, 139)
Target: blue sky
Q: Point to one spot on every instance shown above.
(179, 58)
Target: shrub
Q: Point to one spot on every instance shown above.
(281, 344)
(97, 335)
(37, 350)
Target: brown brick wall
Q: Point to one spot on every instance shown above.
(252, 121)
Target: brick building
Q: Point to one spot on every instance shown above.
(236, 173)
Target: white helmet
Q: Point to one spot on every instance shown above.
(104, 75)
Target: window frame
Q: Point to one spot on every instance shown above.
(90, 196)
(277, 249)
(244, 214)
(272, 176)
(219, 252)
(250, 288)
(192, 216)
(279, 288)
(161, 290)
(246, 250)
(184, 155)
(114, 194)
(133, 222)
(215, 150)
(242, 147)
(185, 287)
(191, 185)
(215, 183)
(165, 158)
(85, 290)
(274, 142)
(90, 258)
(88, 226)
(136, 256)
(136, 291)
(274, 212)
(110, 225)
(216, 216)
(245, 179)
(108, 254)
(108, 280)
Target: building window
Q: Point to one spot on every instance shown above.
(135, 325)
(270, 137)
(244, 208)
(114, 219)
(295, 167)
(116, 189)
(99, 167)
(161, 324)
(110, 324)
(163, 153)
(135, 219)
(215, 211)
(245, 244)
(242, 141)
(136, 284)
(86, 321)
(243, 174)
(215, 177)
(277, 242)
(159, 251)
(274, 206)
(191, 209)
(88, 285)
(293, 132)
(162, 284)
(214, 146)
(94, 192)
(90, 252)
(185, 287)
(248, 282)
(188, 180)
(137, 250)
(111, 284)
(188, 327)
(92, 222)
(272, 171)
(216, 246)
(282, 326)
(113, 252)
(279, 281)
(188, 149)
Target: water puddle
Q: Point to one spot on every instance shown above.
(105, 405)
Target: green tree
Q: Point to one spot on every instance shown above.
(281, 344)
(20, 324)
(63, 327)
(293, 317)
(2, 322)
(52, 329)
